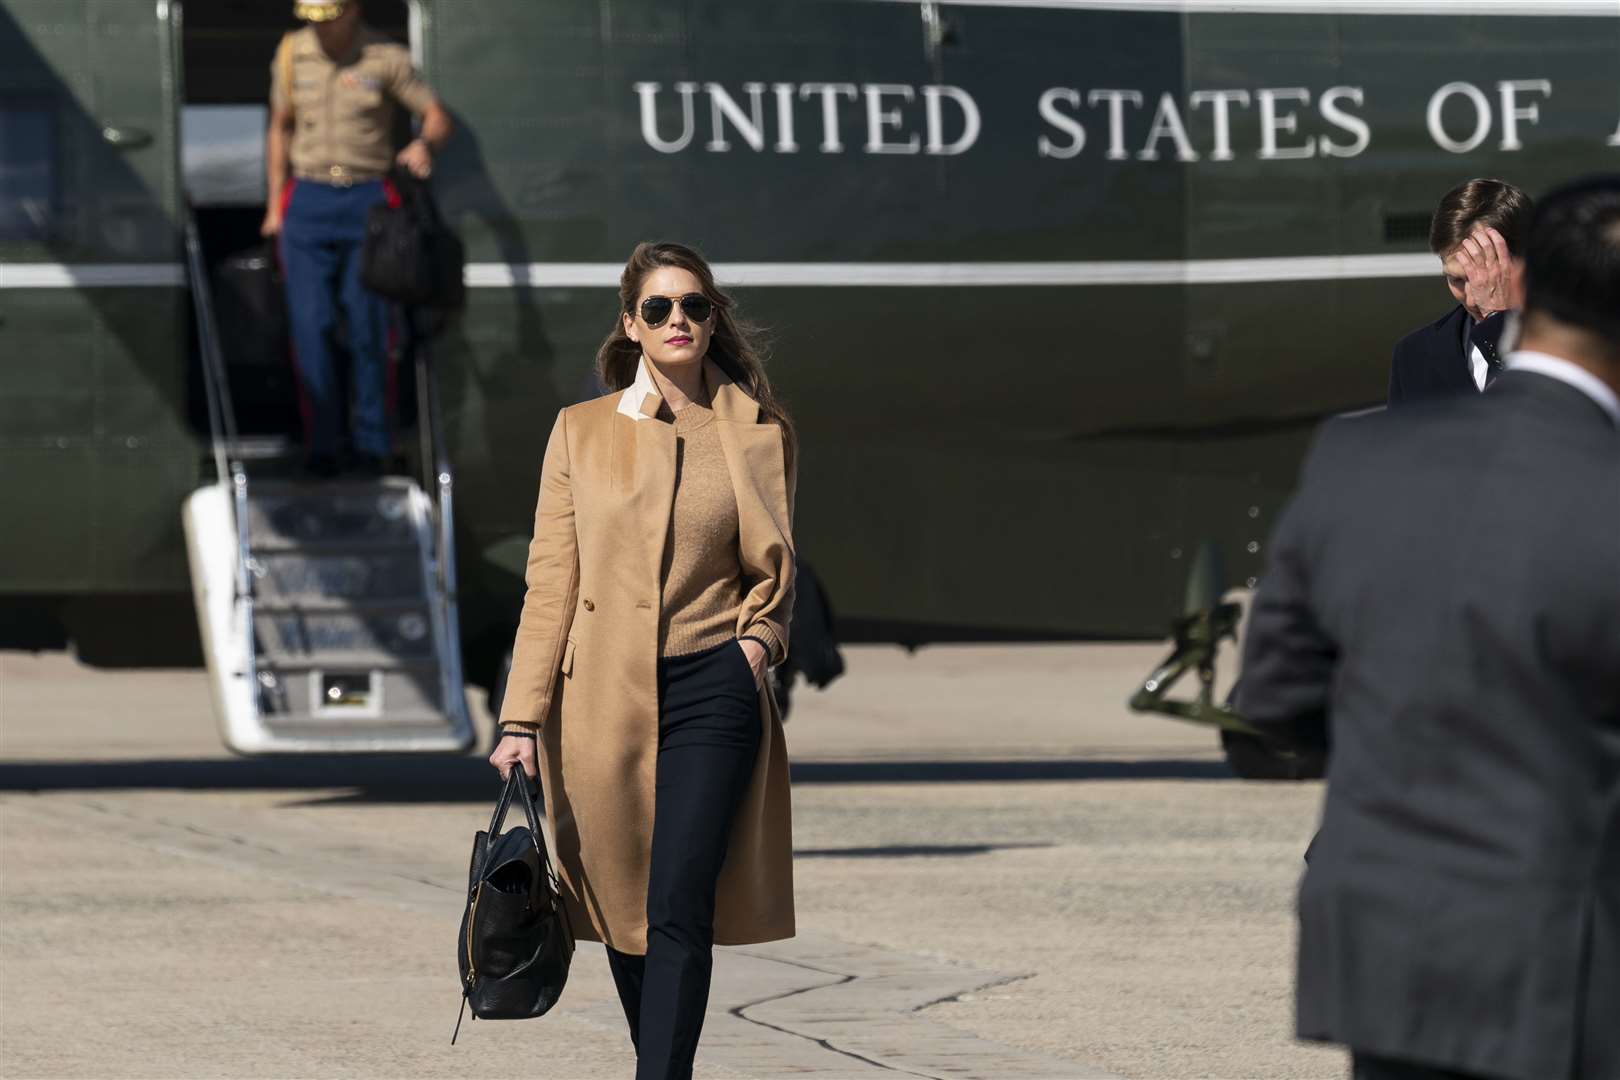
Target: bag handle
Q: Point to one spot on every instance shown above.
(516, 780)
(524, 789)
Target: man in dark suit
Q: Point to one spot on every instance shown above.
(1476, 231)
(1442, 606)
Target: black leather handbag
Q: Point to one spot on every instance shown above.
(409, 254)
(516, 943)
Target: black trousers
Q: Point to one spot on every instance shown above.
(1367, 1067)
(708, 739)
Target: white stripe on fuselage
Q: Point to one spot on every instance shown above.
(594, 275)
(91, 275)
(946, 274)
(1594, 8)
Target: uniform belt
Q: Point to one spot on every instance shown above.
(339, 176)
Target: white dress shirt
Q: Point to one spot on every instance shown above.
(1555, 367)
(1477, 364)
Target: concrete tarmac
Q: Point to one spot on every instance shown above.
(1001, 873)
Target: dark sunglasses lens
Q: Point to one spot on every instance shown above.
(698, 307)
(655, 309)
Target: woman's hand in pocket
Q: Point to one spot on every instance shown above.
(754, 652)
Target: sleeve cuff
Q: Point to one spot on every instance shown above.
(761, 632)
(518, 727)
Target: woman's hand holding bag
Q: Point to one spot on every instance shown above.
(516, 747)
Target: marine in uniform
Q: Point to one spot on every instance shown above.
(335, 85)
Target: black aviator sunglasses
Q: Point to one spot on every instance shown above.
(695, 306)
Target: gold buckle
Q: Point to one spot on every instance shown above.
(341, 177)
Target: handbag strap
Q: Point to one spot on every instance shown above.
(548, 864)
(516, 780)
(500, 808)
(529, 810)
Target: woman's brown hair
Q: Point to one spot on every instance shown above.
(735, 345)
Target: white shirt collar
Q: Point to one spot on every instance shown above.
(1555, 367)
(630, 401)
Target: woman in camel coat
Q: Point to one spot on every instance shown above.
(660, 582)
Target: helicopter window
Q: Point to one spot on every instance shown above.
(27, 171)
(222, 154)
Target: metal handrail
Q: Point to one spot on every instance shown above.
(228, 465)
(439, 479)
(436, 473)
(221, 411)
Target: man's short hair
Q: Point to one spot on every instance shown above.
(1572, 265)
(1468, 206)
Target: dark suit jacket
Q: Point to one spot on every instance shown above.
(1430, 362)
(1445, 591)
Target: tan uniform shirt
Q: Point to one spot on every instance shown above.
(343, 111)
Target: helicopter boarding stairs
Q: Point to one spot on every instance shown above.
(327, 608)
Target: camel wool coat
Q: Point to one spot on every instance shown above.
(584, 664)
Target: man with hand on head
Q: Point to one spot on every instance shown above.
(1455, 628)
(1476, 232)
(334, 85)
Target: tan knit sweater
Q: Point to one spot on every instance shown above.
(701, 576)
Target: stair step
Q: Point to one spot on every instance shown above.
(354, 726)
(343, 660)
(394, 573)
(318, 604)
(359, 546)
(337, 486)
(249, 448)
(358, 514)
(400, 634)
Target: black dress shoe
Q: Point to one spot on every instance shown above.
(370, 465)
(321, 466)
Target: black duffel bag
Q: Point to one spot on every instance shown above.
(516, 943)
(410, 256)
(250, 301)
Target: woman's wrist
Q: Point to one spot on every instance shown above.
(761, 633)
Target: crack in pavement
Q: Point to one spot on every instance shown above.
(961, 995)
(741, 1012)
(876, 1014)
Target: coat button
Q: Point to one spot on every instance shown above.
(589, 606)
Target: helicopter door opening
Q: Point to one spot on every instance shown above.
(227, 48)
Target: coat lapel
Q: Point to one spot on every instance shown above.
(753, 455)
(654, 493)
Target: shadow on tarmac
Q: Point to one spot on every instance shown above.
(444, 778)
(909, 851)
